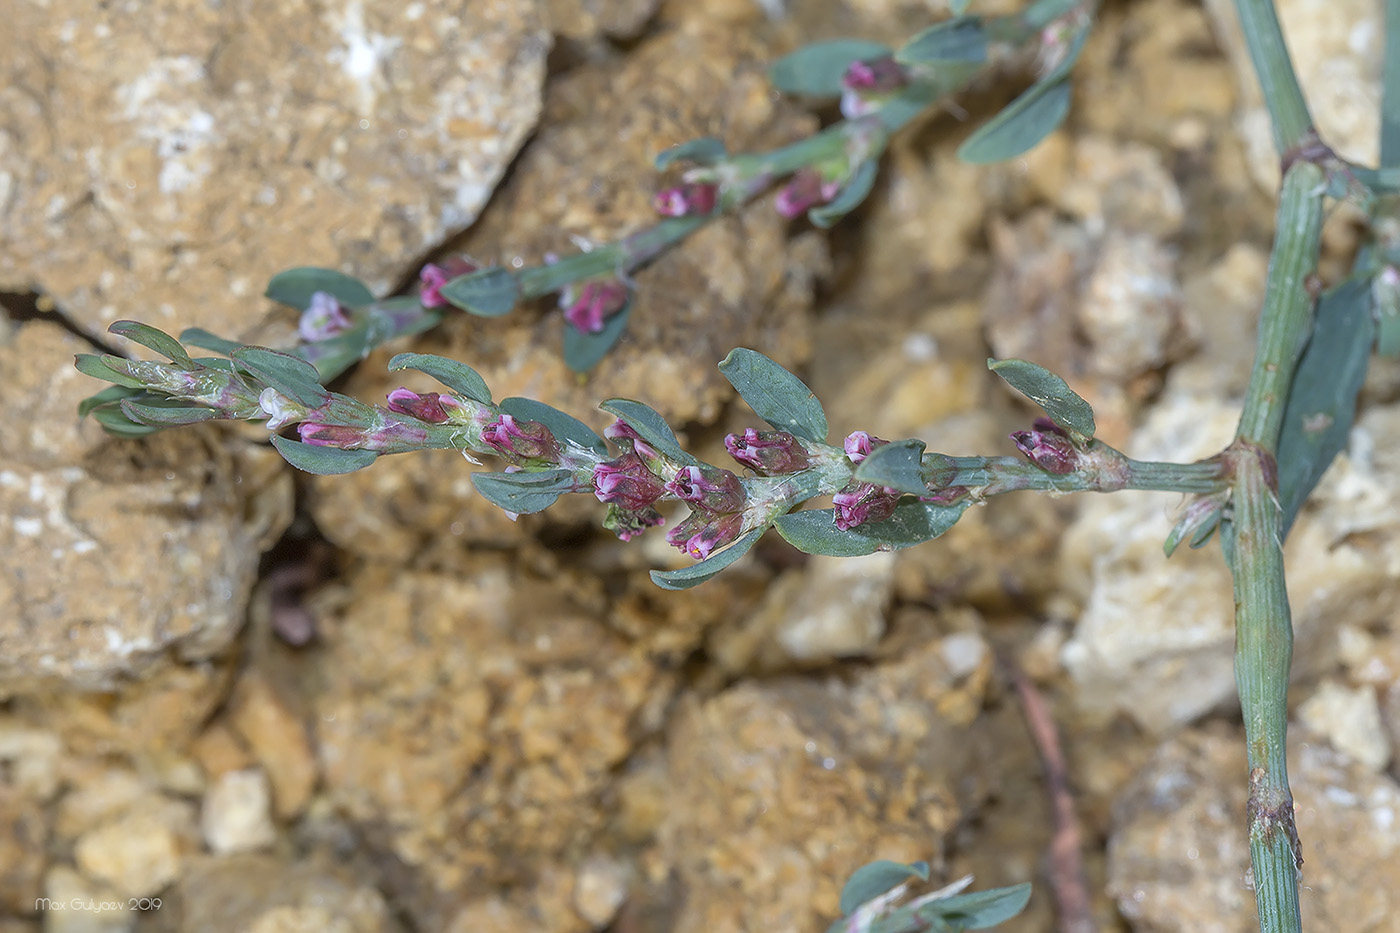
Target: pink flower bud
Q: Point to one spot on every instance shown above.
(426, 407)
(588, 305)
(521, 440)
(433, 277)
(704, 532)
(709, 488)
(1052, 452)
(858, 445)
(860, 503)
(687, 199)
(804, 191)
(322, 319)
(330, 435)
(876, 77)
(626, 437)
(627, 482)
(771, 453)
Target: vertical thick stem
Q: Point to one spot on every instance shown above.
(1292, 123)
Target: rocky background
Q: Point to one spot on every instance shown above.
(506, 727)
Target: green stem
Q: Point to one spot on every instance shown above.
(1293, 125)
(1106, 470)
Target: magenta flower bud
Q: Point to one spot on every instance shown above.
(629, 523)
(858, 445)
(805, 190)
(709, 488)
(771, 453)
(627, 482)
(587, 305)
(426, 407)
(432, 277)
(704, 532)
(323, 318)
(948, 496)
(860, 503)
(1052, 452)
(875, 77)
(687, 199)
(521, 440)
(330, 435)
(622, 434)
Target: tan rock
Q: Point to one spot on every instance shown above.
(587, 19)
(77, 905)
(265, 894)
(278, 739)
(137, 855)
(218, 751)
(1349, 718)
(237, 813)
(24, 830)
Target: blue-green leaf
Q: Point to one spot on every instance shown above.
(816, 70)
(486, 293)
(583, 351)
(960, 39)
(107, 395)
(523, 493)
(323, 461)
(295, 287)
(101, 367)
(707, 150)
(1322, 400)
(459, 377)
(978, 910)
(563, 426)
(115, 421)
(1050, 392)
(870, 881)
(157, 340)
(171, 413)
(696, 574)
(649, 424)
(852, 193)
(898, 465)
(199, 337)
(1020, 126)
(290, 375)
(814, 531)
(775, 395)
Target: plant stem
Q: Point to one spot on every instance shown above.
(1293, 125)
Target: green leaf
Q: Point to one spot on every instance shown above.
(295, 287)
(583, 351)
(199, 337)
(898, 464)
(115, 421)
(707, 150)
(870, 881)
(652, 428)
(157, 414)
(523, 493)
(978, 910)
(563, 426)
(960, 39)
(1020, 126)
(816, 70)
(323, 461)
(106, 396)
(696, 574)
(852, 193)
(487, 293)
(98, 367)
(1050, 392)
(775, 395)
(157, 340)
(814, 531)
(459, 377)
(290, 375)
(1322, 400)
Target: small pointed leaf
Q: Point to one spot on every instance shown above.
(115, 421)
(323, 461)
(523, 493)
(1020, 126)
(696, 574)
(90, 364)
(707, 150)
(157, 340)
(960, 39)
(459, 377)
(852, 193)
(775, 395)
(199, 337)
(563, 426)
(870, 881)
(488, 293)
(291, 375)
(978, 910)
(143, 413)
(107, 395)
(814, 531)
(1050, 392)
(816, 70)
(295, 287)
(898, 465)
(649, 424)
(583, 351)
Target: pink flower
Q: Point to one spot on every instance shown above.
(330, 435)
(858, 445)
(322, 319)
(704, 532)
(859, 503)
(770, 453)
(588, 305)
(684, 200)
(433, 277)
(626, 482)
(804, 191)
(523, 440)
(626, 437)
(426, 407)
(1049, 450)
(709, 488)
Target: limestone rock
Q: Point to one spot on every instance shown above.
(587, 19)
(24, 829)
(137, 855)
(1350, 720)
(1178, 856)
(98, 909)
(163, 162)
(237, 813)
(120, 553)
(265, 894)
(276, 735)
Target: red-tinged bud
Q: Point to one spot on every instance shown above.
(804, 191)
(687, 199)
(949, 496)
(323, 318)
(709, 488)
(629, 523)
(521, 440)
(705, 532)
(626, 437)
(426, 407)
(627, 482)
(875, 77)
(1053, 453)
(860, 503)
(858, 445)
(587, 305)
(771, 453)
(1047, 426)
(330, 435)
(433, 277)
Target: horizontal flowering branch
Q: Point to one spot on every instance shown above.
(884, 495)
